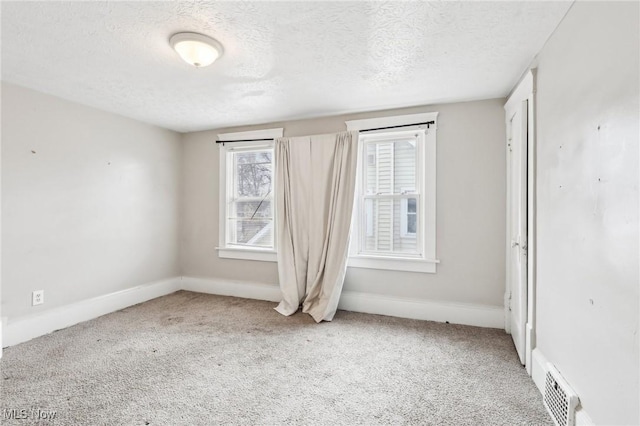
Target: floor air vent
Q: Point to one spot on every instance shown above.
(559, 399)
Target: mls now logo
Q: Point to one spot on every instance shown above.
(14, 414)
(23, 414)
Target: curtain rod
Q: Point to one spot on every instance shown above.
(427, 123)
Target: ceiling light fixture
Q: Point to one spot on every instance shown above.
(196, 49)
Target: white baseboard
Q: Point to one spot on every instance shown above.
(538, 369)
(582, 418)
(28, 327)
(223, 287)
(429, 310)
(455, 313)
(539, 372)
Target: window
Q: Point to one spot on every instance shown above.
(249, 197)
(384, 193)
(394, 217)
(247, 225)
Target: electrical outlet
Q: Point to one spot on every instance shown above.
(37, 297)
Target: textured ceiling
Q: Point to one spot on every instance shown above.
(283, 60)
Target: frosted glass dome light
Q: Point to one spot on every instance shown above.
(196, 49)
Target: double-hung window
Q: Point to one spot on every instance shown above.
(247, 225)
(394, 214)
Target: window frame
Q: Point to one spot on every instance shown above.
(233, 251)
(426, 261)
(361, 182)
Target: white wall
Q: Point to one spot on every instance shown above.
(1, 324)
(470, 209)
(90, 201)
(587, 291)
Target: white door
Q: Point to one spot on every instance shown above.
(517, 227)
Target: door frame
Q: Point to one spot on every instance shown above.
(526, 90)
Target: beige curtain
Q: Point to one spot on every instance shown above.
(315, 184)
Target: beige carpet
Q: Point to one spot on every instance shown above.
(195, 359)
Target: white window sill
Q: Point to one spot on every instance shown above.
(393, 264)
(263, 255)
(366, 262)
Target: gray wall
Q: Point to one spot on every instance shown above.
(94, 210)
(587, 291)
(470, 208)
